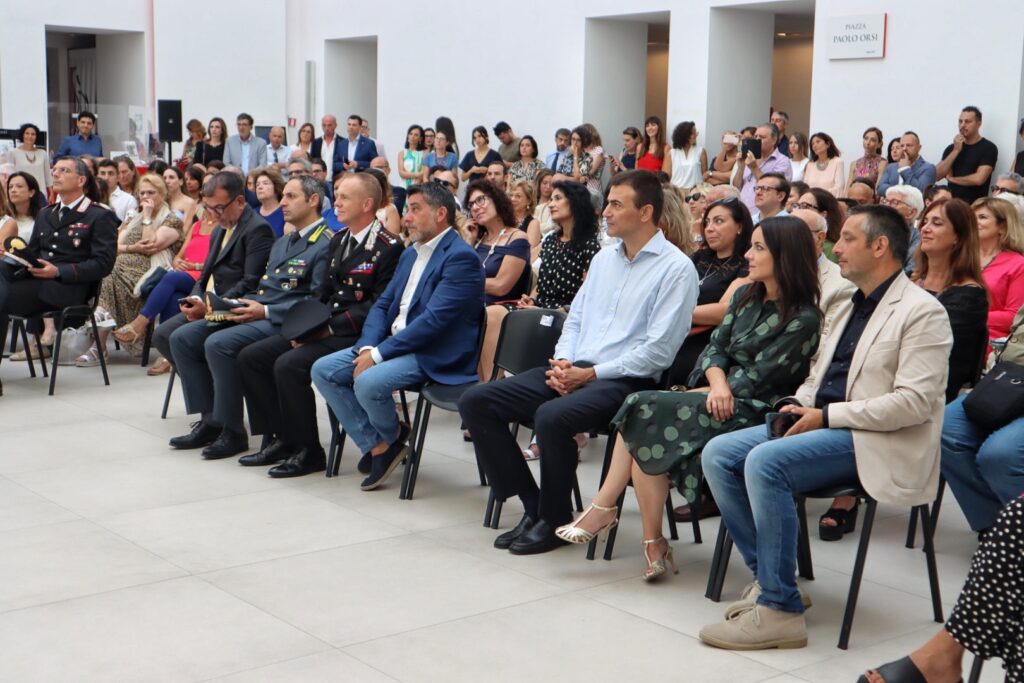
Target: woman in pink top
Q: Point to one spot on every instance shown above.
(825, 167)
(162, 302)
(1002, 265)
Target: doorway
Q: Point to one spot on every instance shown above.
(350, 78)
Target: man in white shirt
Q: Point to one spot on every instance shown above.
(423, 327)
(278, 153)
(323, 147)
(120, 201)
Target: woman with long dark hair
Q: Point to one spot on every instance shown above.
(474, 164)
(410, 157)
(760, 353)
(825, 165)
(824, 202)
(653, 150)
(212, 148)
(443, 124)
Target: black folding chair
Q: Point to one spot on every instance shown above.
(338, 436)
(723, 547)
(167, 396)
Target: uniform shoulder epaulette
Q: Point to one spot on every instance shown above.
(319, 232)
(388, 236)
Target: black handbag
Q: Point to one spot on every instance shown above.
(150, 283)
(998, 399)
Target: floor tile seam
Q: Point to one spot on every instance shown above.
(94, 594)
(47, 499)
(264, 665)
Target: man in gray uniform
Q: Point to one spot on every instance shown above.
(205, 352)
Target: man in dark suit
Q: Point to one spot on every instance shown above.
(356, 151)
(276, 372)
(324, 146)
(205, 352)
(239, 247)
(424, 326)
(75, 242)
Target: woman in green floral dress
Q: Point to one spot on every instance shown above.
(759, 353)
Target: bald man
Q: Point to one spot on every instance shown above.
(278, 153)
(323, 147)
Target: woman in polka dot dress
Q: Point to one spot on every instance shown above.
(759, 353)
(988, 618)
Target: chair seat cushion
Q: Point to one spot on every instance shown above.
(446, 396)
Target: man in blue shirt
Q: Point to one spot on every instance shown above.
(554, 160)
(625, 326)
(84, 142)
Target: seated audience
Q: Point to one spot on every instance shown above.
(82, 246)
(545, 186)
(752, 169)
(579, 164)
(825, 167)
(686, 163)
(909, 203)
(722, 166)
(620, 335)
(1008, 183)
(183, 206)
(119, 201)
(276, 371)
(423, 327)
(497, 175)
(269, 188)
(1001, 243)
(935, 192)
(909, 168)
(720, 260)
(239, 247)
(654, 149)
(968, 163)
(205, 352)
(798, 155)
(676, 223)
(986, 619)
(797, 189)
(147, 241)
(697, 203)
(474, 164)
(439, 155)
(869, 412)
(388, 213)
(127, 175)
(871, 166)
(632, 141)
(861, 192)
(770, 195)
(597, 153)
(759, 354)
(528, 164)
(524, 202)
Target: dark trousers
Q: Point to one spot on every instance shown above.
(278, 388)
(21, 296)
(487, 410)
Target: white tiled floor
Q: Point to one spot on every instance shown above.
(123, 560)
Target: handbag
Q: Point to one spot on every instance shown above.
(149, 283)
(998, 399)
(74, 341)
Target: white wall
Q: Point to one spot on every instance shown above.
(939, 58)
(791, 80)
(613, 91)
(656, 103)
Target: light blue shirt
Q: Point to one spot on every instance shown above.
(630, 317)
(245, 144)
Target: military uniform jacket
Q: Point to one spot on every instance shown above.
(295, 271)
(353, 283)
(83, 246)
(236, 266)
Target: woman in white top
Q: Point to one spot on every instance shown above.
(27, 157)
(798, 155)
(825, 169)
(687, 163)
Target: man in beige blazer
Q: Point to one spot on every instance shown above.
(870, 411)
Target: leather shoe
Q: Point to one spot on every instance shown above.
(504, 542)
(708, 508)
(277, 451)
(540, 538)
(227, 444)
(306, 461)
(365, 464)
(202, 434)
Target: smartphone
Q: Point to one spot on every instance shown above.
(730, 139)
(187, 302)
(751, 145)
(779, 423)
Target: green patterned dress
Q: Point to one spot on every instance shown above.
(763, 361)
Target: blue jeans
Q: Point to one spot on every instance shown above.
(754, 479)
(985, 469)
(163, 300)
(364, 406)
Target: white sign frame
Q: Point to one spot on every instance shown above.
(859, 36)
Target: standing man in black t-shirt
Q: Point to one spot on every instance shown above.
(967, 164)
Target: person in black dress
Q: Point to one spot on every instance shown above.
(212, 148)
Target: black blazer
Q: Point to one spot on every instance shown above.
(83, 246)
(316, 148)
(236, 267)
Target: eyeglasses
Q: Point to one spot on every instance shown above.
(804, 205)
(296, 174)
(996, 190)
(766, 188)
(480, 201)
(894, 202)
(218, 209)
(694, 197)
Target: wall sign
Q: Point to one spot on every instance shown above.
(860, 36)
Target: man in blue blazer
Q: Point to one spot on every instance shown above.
(354, 152)
(423, 327)
(910, 168)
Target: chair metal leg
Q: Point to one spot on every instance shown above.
(416, 438)
(576, 493)
(803, 544)
(719, 564)
(55, 357)
(928, 529)
(975, 674)
(609, 447)
(610, 544)
(858, 573)
(496, 520)
(19, 329)
(167, 396)
(147, 343)
(695, 512)
(912, 528)
(39, 348)
(102, 352)
(673, 530)
(337, 445)
(489, 510)
(405, 405)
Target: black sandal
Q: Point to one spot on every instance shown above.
(901, 671)
(846, 522)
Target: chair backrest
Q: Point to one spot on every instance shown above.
(527, 339)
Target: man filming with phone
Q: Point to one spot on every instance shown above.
(869, 414)
(760, 155)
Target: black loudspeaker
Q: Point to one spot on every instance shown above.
(168, 113)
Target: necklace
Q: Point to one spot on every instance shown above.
(989, 262)
(31, 158)
(821, 166)
(490, 253)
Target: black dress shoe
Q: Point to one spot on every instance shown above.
(277, 451)
(365, 464)
(202, 434)
(504, 542)
(306, 461)
(227, 444)
(539, 539)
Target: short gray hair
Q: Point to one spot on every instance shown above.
(1015, 177)
(723, 191)
(910, 196)
(436, 195)
(820, 224)
(306, 164)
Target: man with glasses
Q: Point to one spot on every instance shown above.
(75, 241)
(752, 168)
(967, 164)
(206, 352)
(909, 203)
(1008, 183)
(910, 168)
(770, 196)
(239, 247)
(319, 170)
(245, 150)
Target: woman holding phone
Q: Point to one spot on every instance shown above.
(760, 353)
